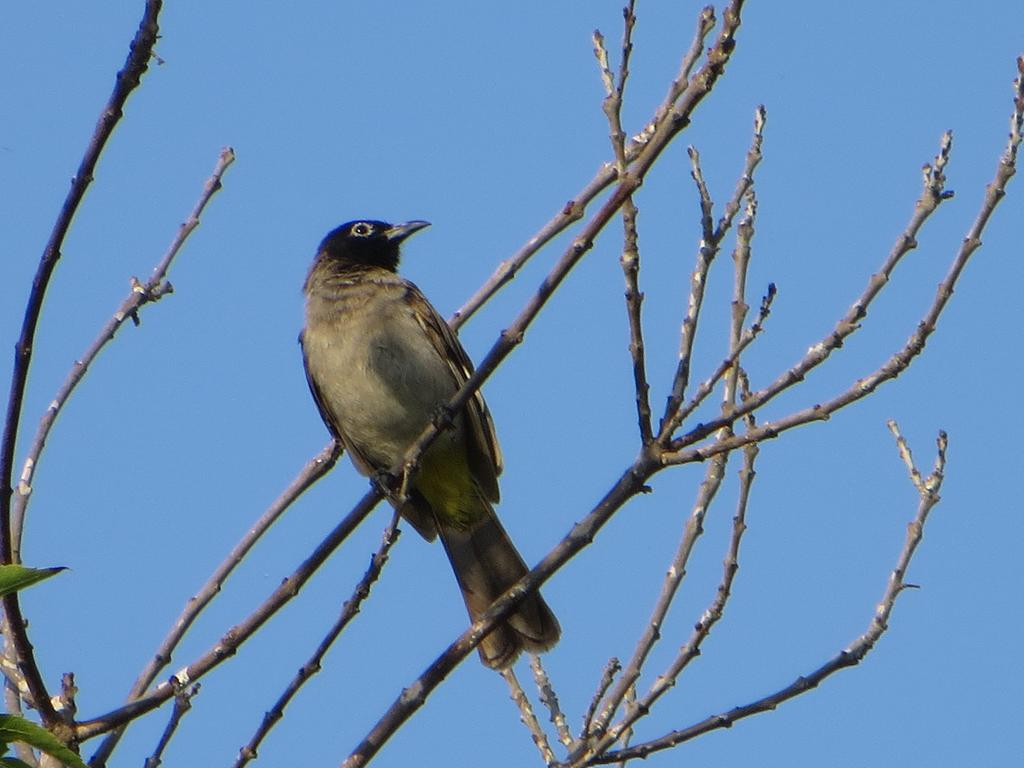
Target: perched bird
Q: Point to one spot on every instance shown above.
(380, 362)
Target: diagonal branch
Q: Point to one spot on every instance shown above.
(674, 575)
(141, 294)
(313, 664)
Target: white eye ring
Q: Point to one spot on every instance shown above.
(362, 229)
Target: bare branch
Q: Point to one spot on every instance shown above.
(313, 664)
(549, 699)
(630, 258)
(573, 210)
(692, 648)
(905, 454)
(315, 468)
(630, 261)
(127, 80)
(626, 734)
(746, 180)
(710, 244)
(228, 645)
(674, 576)
(707, 386)
(141, 294)
(708, 489)
(527, 716)
(413, 697)
(611, 669)
(705, 24)
(182, 704)
(933, 194)
(851, 656)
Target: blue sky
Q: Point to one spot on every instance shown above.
(485, 120)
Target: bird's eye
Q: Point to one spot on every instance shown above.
(362, 229)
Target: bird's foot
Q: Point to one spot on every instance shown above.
(386, 482)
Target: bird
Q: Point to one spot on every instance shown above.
(381, 362)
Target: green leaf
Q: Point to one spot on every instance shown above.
(13, 762)
(13, 728)
(15, 577)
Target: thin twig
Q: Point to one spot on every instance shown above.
(708, 489)
(313, 664)
(315, 468)
(702, 628)
(141, 294)
(674, 575)
(549, 699)
(527, 716)
(627, 733)
(705, 24)
(707, 386)
(611, 669)
(746, 180)
(706, 252)
(905, 454)
(932, 196)
(901, 359)
(630, 258)
(574, 209)
(127, 80)
(850, 656)
(67, 706)
(710, 244)
(182, 704)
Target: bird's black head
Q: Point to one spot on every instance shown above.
(370, 243)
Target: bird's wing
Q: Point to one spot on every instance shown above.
(361, 462)
(419, 516)
(317, 398)
(484, 451)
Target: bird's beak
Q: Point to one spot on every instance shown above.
(396, 233)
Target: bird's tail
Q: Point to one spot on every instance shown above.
(486, 564)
